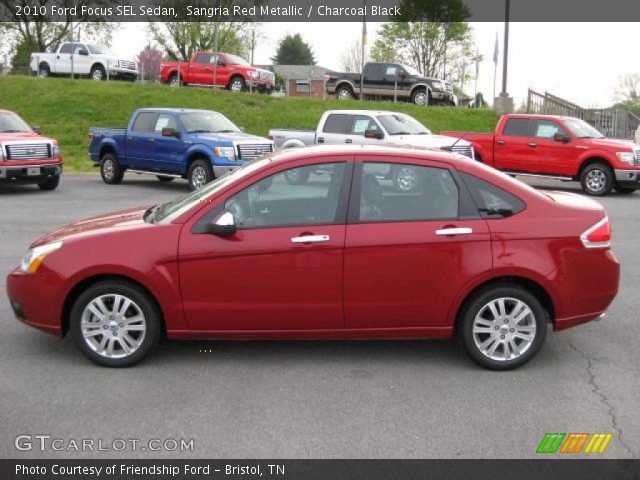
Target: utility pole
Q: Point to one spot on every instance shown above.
(506, 48)
(364, 43)
(73, 48)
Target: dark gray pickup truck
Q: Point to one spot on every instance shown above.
(392, 80)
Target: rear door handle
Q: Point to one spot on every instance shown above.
(348, 140)
(500, 142)
(310, 239)
(454, 231)
(151, 139)
(320, 139)
(533, 144)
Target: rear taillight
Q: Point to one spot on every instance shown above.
(598, 236)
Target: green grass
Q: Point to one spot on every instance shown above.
(65, 109)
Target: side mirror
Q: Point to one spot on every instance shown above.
(220, 63)
(374, 134)
(84, 52)
(36, 129)
(561, 137)
(241, 129)
(402, 74)
(170, 132)
(223, 226)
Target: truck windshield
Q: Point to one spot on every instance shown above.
(207, 122)
(235, 60)
(399, 124)
(168, 212)
(410, 70)
(582, 129)
(12, 123)
(98, 50)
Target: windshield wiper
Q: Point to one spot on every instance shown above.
(401, 133)
(201, 131)
(226, 131)
(14, 131)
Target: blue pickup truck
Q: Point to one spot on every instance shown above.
(198, 145)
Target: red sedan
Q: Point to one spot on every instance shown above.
(468, 251)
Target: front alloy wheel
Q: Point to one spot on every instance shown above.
(237, 85)
(597, 179)
(503, 328)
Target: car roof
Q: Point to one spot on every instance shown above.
(6, 111)
(543, 116)
(366, 112)
(173, 110)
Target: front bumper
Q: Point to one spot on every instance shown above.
(29, 173)
(627, 176)
(122, 73)
(440, 95)
(260, 85)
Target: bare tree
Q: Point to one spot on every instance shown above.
(351, 60)
(628, 90)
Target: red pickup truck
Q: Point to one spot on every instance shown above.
(25, 155)
(562, 148)
(217, 69)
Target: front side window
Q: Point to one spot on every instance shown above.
(98, 50)
(362, 123)
(144, 122)
(548, 129)
(391, 192)
(295, 197)
(164, 121)
(517, 127)
(337, 123)
(492, 202)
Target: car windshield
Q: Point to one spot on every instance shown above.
(235, 60)
(206, 122)
(582, 129)
(168, 212)
(98, 50)
(12, 123)
(410, 70)
(399, 124)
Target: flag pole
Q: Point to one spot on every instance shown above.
(364, 42)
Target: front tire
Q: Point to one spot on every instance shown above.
(502, 327)
(110, 170)
(115, 323)
(625, 190)
(97, 73)
(597, 179)
(50, 183)
(420, 97)
(200, 173)
(237, 84)
(297, 176)
(164, 179)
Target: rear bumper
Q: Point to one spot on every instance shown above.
(33, 173)
(42, 309)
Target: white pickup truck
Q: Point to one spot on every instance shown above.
(83, 59)
(368, 127)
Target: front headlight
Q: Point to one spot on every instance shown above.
(627, 157)
(437, 85)
(254, 75)
(55, 150)
(227, 152)
(35, 256)
(1, 153)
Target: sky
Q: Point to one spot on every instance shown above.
(581, 62)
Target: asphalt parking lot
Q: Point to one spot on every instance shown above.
(386, 399)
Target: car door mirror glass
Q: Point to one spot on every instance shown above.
(36, 129)
(561, 137)
(223, 226)
(84, 52)
(374, 134)
(170, 132)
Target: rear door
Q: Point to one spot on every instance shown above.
(335, 129)
(140, 141)
(408, 254)
(512, 149)
(62, 62)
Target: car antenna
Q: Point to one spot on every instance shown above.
(449, 148)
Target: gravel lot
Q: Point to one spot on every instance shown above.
(410, 399)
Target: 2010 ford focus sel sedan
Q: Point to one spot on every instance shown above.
(466, 251)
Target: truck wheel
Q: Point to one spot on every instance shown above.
(50, 183)
(174, 81)
(344, 93)
(43, 71)
(297, 176)
(421, 97)
(237, 84)
(110, 169)
(597, 179)
(97, 73)
(200, 173)
(164, 179)
(625, 190)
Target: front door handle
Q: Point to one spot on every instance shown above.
(500, 142)
(450, 231)
(152, 139)
(320, 139)
(348, 140)
(310, 239)
(533, 144)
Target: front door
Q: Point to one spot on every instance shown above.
(282, 270)
(409, 253)
(169, 151)
(140, 141)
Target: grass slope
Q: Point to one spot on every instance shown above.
(65, 109)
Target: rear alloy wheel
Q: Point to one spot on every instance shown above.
(50, 183)
(110, 170)
(625, 190)
(115, 324)
(200, 173)
(405, 179)
(237, 85)
(344, 93)
(503, 327)
(597, 179)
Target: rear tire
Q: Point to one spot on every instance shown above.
(174, 81)
(50, 183)
(502, 327)
(110, 170)
(200, 173)
(597, 179)
(625, 190)
(344, 93)
(164, 179)
(297, 176)
(44, 71)
(115, 323)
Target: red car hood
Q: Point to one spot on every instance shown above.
(125, 218)
(619, 145)
(16, 137)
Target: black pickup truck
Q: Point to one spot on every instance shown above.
(389, 80)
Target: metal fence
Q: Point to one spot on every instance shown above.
(612, 122)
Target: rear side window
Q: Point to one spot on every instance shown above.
(337, 123)
(144, 122)
(517, 127)
(492, 202)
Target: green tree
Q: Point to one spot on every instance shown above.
(20, 58)
(293, 50)
(628, 91)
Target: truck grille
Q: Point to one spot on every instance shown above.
(637, 160)
(251, 151)
(266, 75)
(129, 65)
(28, 151)
(462, 150)
(448, 87)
